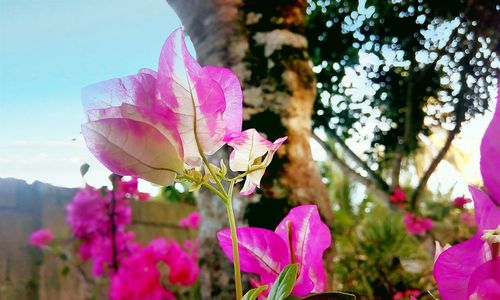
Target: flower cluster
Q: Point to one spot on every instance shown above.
(192, 221)
(398, 196)
(155, 125)
(41, 238)
(414, 224)
(417, 225)
(98, 219)
(140, 276)
(408, 294)
(470, 270)
(459, 202)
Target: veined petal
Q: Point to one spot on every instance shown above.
(262, 252)
(165, 122)
(248, 146)
(134, 148)
(230, 84)
(485, 281)
(454, 267)
(487, 213)
(191, 94)
(310, 237)
(252, 182)
(138, 89)
(490, 155)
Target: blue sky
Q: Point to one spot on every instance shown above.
(49, 50)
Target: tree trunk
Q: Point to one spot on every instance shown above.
(263, 42)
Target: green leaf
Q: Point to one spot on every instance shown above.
(84, 169)
(284, 284)
(331, 296)
(65, 271)
(194, 187)
(254, 293)
(223, 169)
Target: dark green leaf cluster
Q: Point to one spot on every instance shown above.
(386, 65)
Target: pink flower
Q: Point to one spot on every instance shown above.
(467, 218)
(470, 270)
(140, 278)
(192, 221)
(265, 252)
(398, 196)
(459, 202)
(41, 238)
(144, 125)
(183, 268)
(89, 215)
(89, 212)
(191, 247)
(249, 148)
(408, 294)
(416, 225)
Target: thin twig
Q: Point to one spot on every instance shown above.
(379, 187)
(113, 225)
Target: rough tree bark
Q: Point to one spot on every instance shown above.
(263, 42)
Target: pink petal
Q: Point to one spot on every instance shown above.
(485, 281)
(230, 84)
(310, 238)
(165, 123)
(41, 238)
(490, 155)
(487, 213)
(262, 252)
(191, 94)
(248, 146)
(252, 181)
(138, 89)
(454, 267)
(129, 147)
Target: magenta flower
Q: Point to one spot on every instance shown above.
(471, 269)
(398, 196)
(459, 202)
(183, 267)
(144, 125)
(41, 238)
(301, 237)
(416, 225)
(467, 218)
(129, 188)
(408, 294)
(140, 278)
(89, 215)
(192, 221)
(249, 148)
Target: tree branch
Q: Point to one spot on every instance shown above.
(460, 117)
(379, 187)
(400, 149)
(377, 180)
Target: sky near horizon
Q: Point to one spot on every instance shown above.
(50, 49)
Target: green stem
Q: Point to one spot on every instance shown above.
(236, 255)
(227, 199)
(215, 191)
